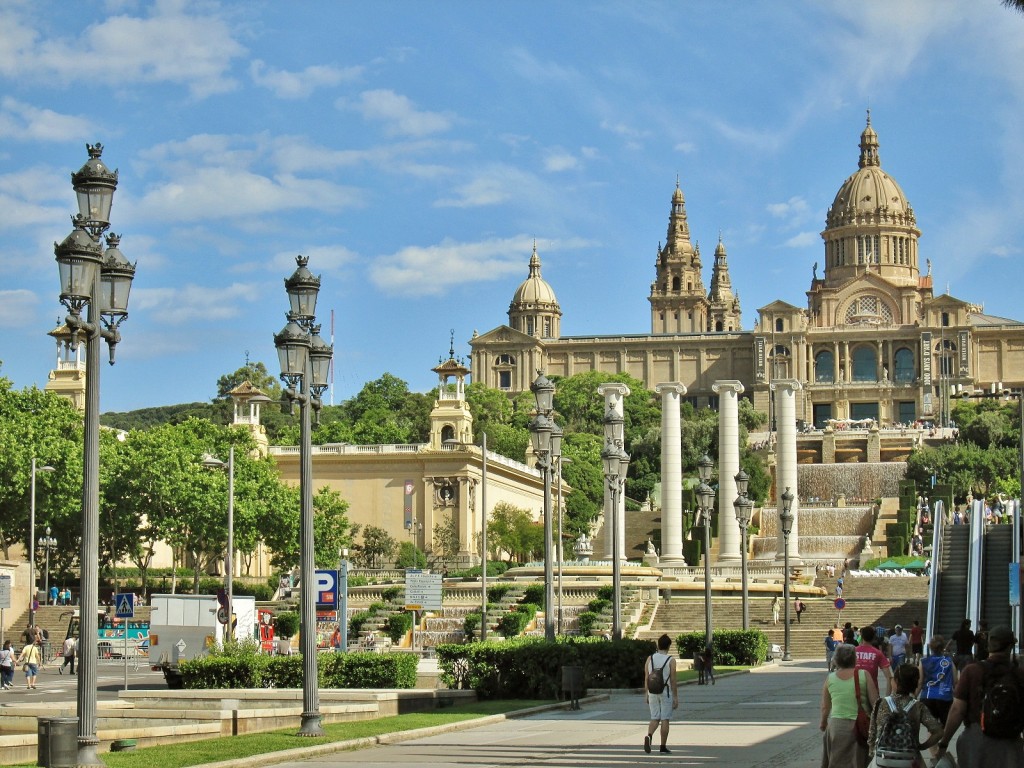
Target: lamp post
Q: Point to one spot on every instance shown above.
(743, 506)
(562, 460)
(305, 368)
(547, 447)
(31, 537)
(786, 523)
(616, 465)
(213, 462)
(100, 280)
(343, 613)
(47, 543)
(706, 508)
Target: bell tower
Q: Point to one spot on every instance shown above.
(451, 418)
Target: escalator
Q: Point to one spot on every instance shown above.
(995, 600)
(950, 581)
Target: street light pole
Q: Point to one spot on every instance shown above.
(743, 505)
(547, 439)
(100, 281)
(616, 465)
(483, 537)
(786, 522)
(305, 367)
(706, 504)
(229, 561)
(562, 460)
(31, 540)
(47, 542)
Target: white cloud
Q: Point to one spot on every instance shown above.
(26, 122)
(170, 45)
(494, 184)
(559, 160)
(296, 85)
(217, 193)
(322, 258)
(432, 270)
(17, 308)
(803, 240)
(794, 208)
(191, 302)
(398, 114)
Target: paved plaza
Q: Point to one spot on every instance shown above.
(765, 718)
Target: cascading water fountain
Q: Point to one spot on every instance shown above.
(829, 532)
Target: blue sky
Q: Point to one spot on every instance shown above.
(415, 150)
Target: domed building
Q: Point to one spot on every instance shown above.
(873, 344)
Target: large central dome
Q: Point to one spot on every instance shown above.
(870, 195)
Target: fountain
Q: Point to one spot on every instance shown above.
(861, 481)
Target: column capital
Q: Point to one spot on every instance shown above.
(792, 385)
(729, 385)
(613, 388)
(671, 386)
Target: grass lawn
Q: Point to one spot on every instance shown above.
(232, 747)
(685, 675)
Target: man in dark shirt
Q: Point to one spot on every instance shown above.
(963, 639)
(973, 748)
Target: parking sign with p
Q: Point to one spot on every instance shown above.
(327, 590)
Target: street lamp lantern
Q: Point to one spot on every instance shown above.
(302, 287)
(116, 278)
(94, 184)
(541, 427)
(743, 507)
(292, 350)
(705, 467)
(544, 392)
(786, 525)
(320, 356)
(705, 497)
(78, 262)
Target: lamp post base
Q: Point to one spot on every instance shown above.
(87, 757)
(310, 725)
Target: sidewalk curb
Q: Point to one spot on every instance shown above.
(317, 750)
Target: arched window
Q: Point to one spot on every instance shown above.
(780, 326)
(675, 283)
(825, 367)
(904, 359)
(864, 364)
(505, 360)
(447, 433)
(718, 325)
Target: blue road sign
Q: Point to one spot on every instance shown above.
(124, 605)
(327, 590)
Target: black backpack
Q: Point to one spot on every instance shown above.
(1002, 704)
(897, 742)
(656, 677)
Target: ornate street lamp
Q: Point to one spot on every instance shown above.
(33, 592)
(705, 509)
(212, 462)
(100, 281)
(743, 506)
(305, 368)
(616, 465)
(547, 438)
(47, 543)
(786, 524)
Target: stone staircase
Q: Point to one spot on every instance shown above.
(870, 600)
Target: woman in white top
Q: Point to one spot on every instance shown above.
(661, 704)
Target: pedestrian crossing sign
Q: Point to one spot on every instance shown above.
(124, 605)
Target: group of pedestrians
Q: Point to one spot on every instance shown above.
(938, 692)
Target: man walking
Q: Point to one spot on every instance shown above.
(975, 748)
(898, 647)
(68, 651)
(662, 702)
(870, 659)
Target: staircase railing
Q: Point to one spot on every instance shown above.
(976, 561)
(939, 522)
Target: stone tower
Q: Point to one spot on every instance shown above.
(679, 303)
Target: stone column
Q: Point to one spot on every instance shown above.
(785, 407)
(671, 475)
(614, 394)
(728, 466)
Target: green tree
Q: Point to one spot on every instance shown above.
(332, 530)
(39, 424)
(377, 547)
(410, 556)
(446, 540)
(512, 530)
(256, 374)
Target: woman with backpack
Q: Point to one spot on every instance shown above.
(846, 691)
(661, 690)
(896, 722)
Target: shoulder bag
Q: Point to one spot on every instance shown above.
(863, 718)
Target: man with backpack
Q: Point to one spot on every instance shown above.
(661, 691)
(989, 701)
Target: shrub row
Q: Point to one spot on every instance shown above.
(527, 668)
(731, 646)
(514, 622)
(335, 670)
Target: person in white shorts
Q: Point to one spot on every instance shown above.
(661, 704)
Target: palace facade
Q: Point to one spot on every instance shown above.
(872, 343)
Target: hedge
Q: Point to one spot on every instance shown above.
(731, 646)
(527, 668)
(335, 670)
(514, 622)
